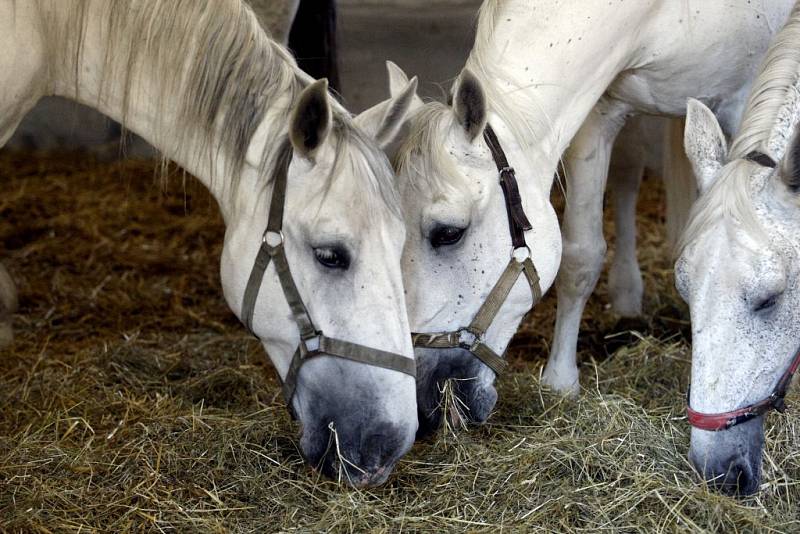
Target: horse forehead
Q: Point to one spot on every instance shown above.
(345, 197)
(711, 256)
(354, 214)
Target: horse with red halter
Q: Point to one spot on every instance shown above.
(739, 270)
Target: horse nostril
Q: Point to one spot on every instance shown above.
(381, 447)
(342, 453)
(735, 479)
(479, 398)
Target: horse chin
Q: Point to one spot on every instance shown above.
(473, 384)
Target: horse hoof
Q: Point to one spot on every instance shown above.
(563, 383)
(8, 291)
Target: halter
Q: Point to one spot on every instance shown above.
(313, 342)
(725, 420)
(471, 338)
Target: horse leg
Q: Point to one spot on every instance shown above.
(22, 83)
(625, 175)
(586, 165)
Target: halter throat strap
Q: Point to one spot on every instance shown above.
(471, 338)
(722, 421)
(313, 342)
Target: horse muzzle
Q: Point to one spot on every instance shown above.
(730, 461)
(473, 385)
(361, 452)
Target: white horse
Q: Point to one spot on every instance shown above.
(739, 270)
(547, 76)
(201, 81)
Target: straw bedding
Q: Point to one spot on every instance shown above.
(133, 400)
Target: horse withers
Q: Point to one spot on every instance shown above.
(314, 235)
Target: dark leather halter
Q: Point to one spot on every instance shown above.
(470, 337)
(313, 342)
(775, 401)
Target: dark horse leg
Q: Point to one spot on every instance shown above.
(313, 40)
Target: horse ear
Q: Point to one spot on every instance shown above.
(311, 119)
(704, 143)
(398, 80)
(384, 121)
(469, 105)
(790, 167)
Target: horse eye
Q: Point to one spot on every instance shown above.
(767, 303)
(446, 235)
(335, 257)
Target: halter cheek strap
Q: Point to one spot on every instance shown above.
(313, 342)
(471, 338)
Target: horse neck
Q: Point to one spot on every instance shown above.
(544, 71)
(132, 95)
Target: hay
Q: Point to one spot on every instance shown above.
(133, 400)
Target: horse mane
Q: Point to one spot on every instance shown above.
(230, 73)
(767, 124)
(519, 109)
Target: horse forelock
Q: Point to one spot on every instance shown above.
(728, 201)
(359, 158)
(769, 119)
(423, 158)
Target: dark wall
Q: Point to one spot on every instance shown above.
(313, 40)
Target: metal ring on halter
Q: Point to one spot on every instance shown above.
(528, 253)
(265, 238)
(310, 345)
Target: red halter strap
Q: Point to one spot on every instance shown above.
(723, 421)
